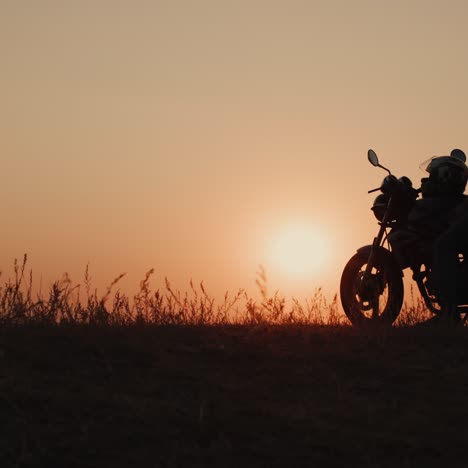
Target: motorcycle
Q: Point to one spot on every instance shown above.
(371, 287)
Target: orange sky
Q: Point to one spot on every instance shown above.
(184, 135)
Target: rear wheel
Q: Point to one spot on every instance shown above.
(376, 298)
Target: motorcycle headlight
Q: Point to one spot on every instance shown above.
(380, 206)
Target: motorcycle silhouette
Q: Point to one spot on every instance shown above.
(371, 287)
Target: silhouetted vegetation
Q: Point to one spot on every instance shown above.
(64, 304)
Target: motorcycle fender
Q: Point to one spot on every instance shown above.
(381, 252)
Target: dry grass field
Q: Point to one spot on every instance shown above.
(111, 382)
(245, 395)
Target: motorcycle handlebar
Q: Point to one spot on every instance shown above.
(373, 190)
(391, 182)
(418, 191)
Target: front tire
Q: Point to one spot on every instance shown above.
(377, 299)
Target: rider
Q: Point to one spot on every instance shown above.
(444, 188)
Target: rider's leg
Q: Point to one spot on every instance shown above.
(445, 259)
(444, 268)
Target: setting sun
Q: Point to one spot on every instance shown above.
(299, 250)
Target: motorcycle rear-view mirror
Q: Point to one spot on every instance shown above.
(372, 157)
(459, 154)
(374, 160)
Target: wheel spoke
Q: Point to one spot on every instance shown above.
(372, 297)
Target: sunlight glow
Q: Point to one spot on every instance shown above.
(299, 250)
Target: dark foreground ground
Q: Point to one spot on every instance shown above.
(233, 396)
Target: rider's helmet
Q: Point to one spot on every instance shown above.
(448, 175)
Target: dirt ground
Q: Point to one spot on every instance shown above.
(233, 396)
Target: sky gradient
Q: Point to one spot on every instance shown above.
(182, 135)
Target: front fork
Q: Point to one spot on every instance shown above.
(378, 240)
(367, 281)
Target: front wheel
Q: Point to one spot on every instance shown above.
(376, 298)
